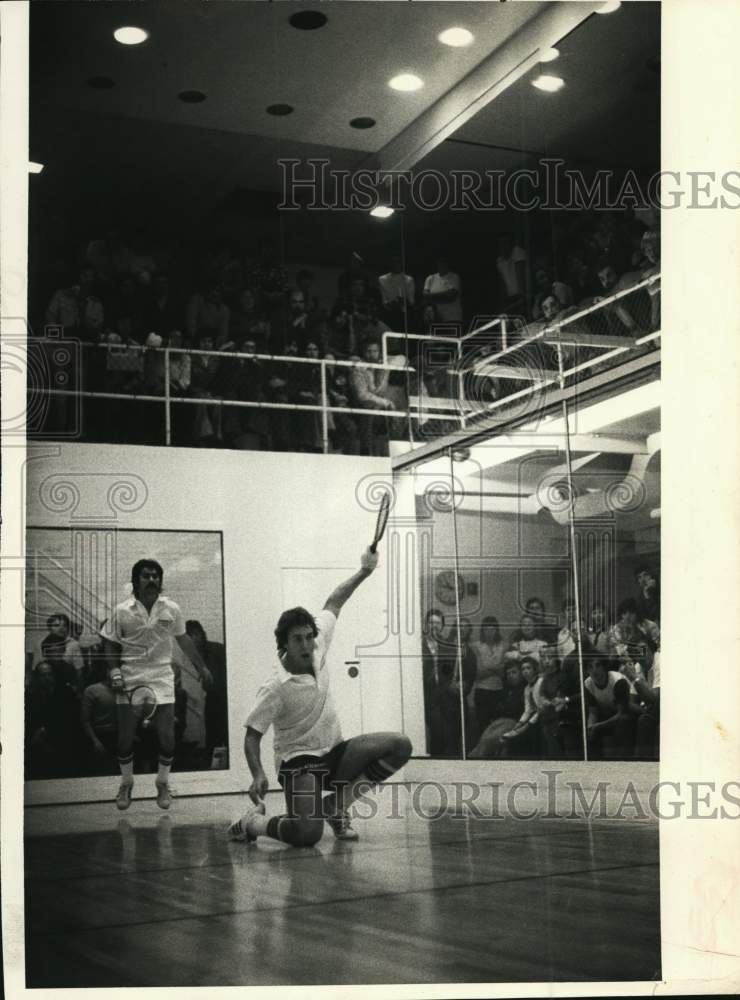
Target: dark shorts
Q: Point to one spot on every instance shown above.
(325, 767)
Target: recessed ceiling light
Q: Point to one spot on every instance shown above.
(130, 35)
(609, 7)
(308, 20)
(382, 212)
(101, 82)
(457, 37)
(192, 96)
(35, 168)
(549, 54)
(279, 109)
(548, 83)
(406, 81)
(363, 122)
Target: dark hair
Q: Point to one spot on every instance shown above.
(643, 568)
(531, 600)
(434, 611)
(629, 604)
(192, 624)
(492, 620)
(529, 659)
(59, 617)
(293, 618)
(141, 564)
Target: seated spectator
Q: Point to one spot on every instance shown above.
(153, 375)
(651, 249)
(441, 297)
(565, 641)
(63, 652)
(398, 296)
(612, 712)
(78, 309)
(304, 284)
(207, 315)
(461, 684)
(52, 726)
(621, 315)
(545, 287)
(343, 432)
(557, 697)
(511, 705)
(488, 691)
(128, 310)
(648, 596)
(98, 720)
(295, 324)
(280, 381)
(633, 636)
(511, 264)
(204, 370)
(162, 311)
(369, 389)
(491, 743)
(242, 380)
(522, 739)
(307, 390)
(354, 311)
(647, 740)
(268, 280)
(545, 627)
(524, 642)
(598, 629)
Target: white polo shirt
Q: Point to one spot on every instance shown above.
(299, 707)
(146, 638)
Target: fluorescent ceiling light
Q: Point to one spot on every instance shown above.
(406, 81)
(382, 212)
(35, 168)
(456, 37)
(609, 7)
(130, 35)
(548, 83)
(549, 54)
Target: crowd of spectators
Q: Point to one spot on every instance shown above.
(521, 695)
(246, 304)
(71, 727)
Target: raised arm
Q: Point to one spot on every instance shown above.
(338, 597)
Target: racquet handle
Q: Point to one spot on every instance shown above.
(373, 547)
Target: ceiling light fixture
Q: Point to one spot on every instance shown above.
(456, 37)
(130, 35)
(362, 122)
(35, 168)
(549, 54)
(382, 212)
(308, 20)
(192, 96)
(101, 82)
(548, 83)
(609, 7)
(406, 82)
(279, 110)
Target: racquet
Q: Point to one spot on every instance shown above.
(383, 511)
(143, 702)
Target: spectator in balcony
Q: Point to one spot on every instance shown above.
(620, 315)
(354, 311)
(78, 309)
(633, 636)
(598, 629)
(128, 310)
(611, 712)
(581, 277)
(370, 392)
(162, 311)
(296, 324)
(268, 279)
(244, 317)
(546, 286)
(511, 264)
(281, 377)
(304, 281)
(343, 432)
(398, 296)
(651, 249)
(490, 653)
(63, 652)
(307, 389)
(207, 315)
(240, 379)
(524, 642)
(442, 297)
(180, 375)
(98, 721)
(648, 594)
(204, 370)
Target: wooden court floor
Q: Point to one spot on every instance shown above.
(145, 898)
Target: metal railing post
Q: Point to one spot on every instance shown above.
(324, 411)
(167, 414)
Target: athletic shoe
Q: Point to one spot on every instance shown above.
(239, 829)
(164, 796)
(342, 828)
(123, 799)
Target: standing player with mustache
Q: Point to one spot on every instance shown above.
(137, 643)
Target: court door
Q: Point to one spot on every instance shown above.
(353, 682)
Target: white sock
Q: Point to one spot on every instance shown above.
(127, 771)
(163, 771)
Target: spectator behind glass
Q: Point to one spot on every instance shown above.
(565, 641)
(369, 389)
(648, 594)
(441, 296)
(491, 742)
(463, 679)
(521, 740)
(525, 642)
(343, 433)
(598, 629)
(62, 651)
(633, 636)
(207, 316)
(651, 248)
(78, 308)
(52, 727)
(545, 628)
(215, 713)
(398, 296)
(511, 264)
(307, 389)
(611, 713)
(98, 721)
(437, 669)
(490, 652)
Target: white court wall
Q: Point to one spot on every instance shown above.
(276, 512)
